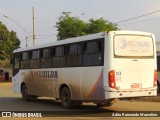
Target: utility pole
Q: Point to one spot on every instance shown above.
(34, 33)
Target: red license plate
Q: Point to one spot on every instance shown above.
(135, 85)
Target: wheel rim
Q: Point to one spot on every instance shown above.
(65, 97)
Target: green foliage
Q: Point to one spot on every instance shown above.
(8, 42)
(69, 26)
(99, 25)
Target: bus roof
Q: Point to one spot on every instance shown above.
(81, 38)
(65, 41)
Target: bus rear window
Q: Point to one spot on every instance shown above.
(133, 46)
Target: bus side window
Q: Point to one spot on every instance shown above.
(59, 58)
(92, 53)
(16, 60)
(91, 47)
(59, 51)
(99, 46)
(25, 56)
(73, 58)
(53, 52)
(46, 61)
(25, 60)
(46, 53)
(35, 54)
(16, 63)
(84, 48)
(66, 51)
(35, 61)
(72, 49)
(80, 49)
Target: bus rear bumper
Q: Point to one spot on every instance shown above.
(133, 93)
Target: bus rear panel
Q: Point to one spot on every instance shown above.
(132, 70)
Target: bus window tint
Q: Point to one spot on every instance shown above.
(46, 61)
(72, 49)
(80, 49)
(73, 58)
(35, 54)
(59, 58)
(91, 47)
(99, 46)
(46, 53)
(17, 65)
(16, 57)
(59, 51)
(25, 56)
(92, 53)
(25, 60)
(35, 61)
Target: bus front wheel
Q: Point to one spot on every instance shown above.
(66, 98)
(25, 95)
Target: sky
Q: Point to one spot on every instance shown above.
(48, 11)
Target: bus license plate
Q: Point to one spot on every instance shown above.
(135, 86)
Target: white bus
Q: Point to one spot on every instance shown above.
(94, 68)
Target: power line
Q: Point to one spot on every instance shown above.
(39, 36)
(18, 25)
(141, 21)
(137, 17)
(43, 35)
(47, 35)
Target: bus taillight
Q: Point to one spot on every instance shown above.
(111, 79)
(155, 78)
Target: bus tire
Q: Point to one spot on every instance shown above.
(66, 98)
(25, 95)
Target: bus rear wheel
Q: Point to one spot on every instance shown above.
(25, 95)
(66, 98)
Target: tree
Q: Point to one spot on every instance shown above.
(69, 26)
(99, 25)
(8, 42)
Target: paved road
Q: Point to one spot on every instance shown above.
(11, 102)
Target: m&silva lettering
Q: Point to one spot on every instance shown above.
(45, 74)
